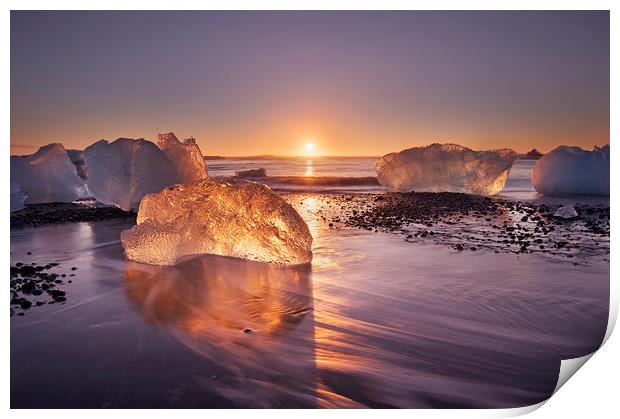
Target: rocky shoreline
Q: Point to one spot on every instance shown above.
(34, 285)
(471, 222)
(35, 215)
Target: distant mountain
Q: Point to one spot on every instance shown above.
(533, 154)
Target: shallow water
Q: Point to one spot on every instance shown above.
(374, 321)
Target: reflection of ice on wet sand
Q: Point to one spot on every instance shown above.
(253, 320)
(375, 322)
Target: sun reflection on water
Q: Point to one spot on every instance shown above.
(309, 169)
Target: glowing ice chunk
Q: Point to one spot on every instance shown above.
(186, 157)
(47, 176)
(572, 171)
(122, 172)
(223, 217)
(446, 168)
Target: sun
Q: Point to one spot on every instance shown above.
(308, 146)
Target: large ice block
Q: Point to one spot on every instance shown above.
(121, 172)
(227, 217)
(446, 168)
(77, 158)
(18, 197)
(186, 157)
(572, 171)
(47, 176)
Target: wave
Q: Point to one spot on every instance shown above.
(320, 183)
(321, 180)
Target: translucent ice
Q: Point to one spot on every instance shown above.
(446, 168)
(227, 217)
(186, 157)
(566, 211)
(47, 176)
(123, 171)
(572, 171)
(77, 158)
(18, 197)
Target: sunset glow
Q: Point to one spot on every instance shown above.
(248, 84)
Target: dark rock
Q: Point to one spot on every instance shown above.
(28, 287)
(27, 270)
(56, 294)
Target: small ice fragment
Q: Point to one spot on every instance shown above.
(121, 172)
(226, 217)
(567, 211)
(572, 171)
(18, 197)
(47, 176)
(251, 173)
(446, 168)
(185, 156)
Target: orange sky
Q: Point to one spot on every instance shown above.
(346, 138)
(357, 83)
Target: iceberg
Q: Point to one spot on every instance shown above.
(18, 197)
(251, 173)
(446, 168)
(122, 172)
(77, 158)
(47, 176)
(185, 156)
(572, 171)
(226, 217)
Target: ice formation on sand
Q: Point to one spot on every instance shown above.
(18, 197)
(121, 172)
(77, 158)
(572, 171)
(186, 157)
(567, 211)
(47, 176)
(446, 168)
(227, 217)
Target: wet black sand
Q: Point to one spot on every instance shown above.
(35, 284)
(35, 215)
(460, 221)
(471, 222)
(383, 319)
